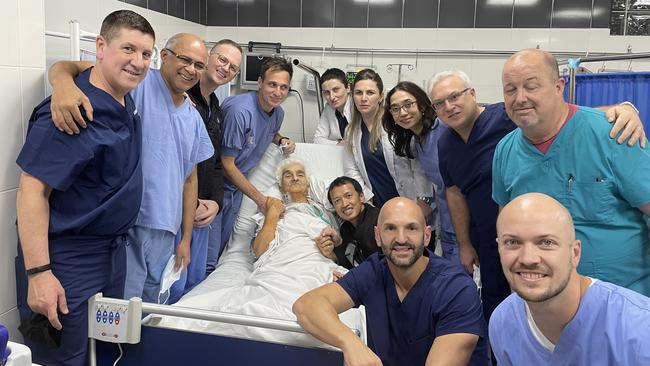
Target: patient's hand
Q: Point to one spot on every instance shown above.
(337, 275)
(274, 207)
(326, 241)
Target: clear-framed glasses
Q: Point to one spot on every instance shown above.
(451, 98)
(408, 106)
(187, 61)
(223, 61)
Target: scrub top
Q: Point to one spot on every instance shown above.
(96, 176)
(248, 131)
(426, 149)
(469, 167)
(599, 181)
(383, 185)
(175, 140)
(611, 327)
(444, 300)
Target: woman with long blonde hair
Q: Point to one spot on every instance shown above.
(370, 157)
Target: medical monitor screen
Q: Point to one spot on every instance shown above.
(251, 70)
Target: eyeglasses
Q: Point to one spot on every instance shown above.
(187, 61)
(451, 98)
(223, 61)
(395, 109)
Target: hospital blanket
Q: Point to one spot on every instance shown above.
(291, 266)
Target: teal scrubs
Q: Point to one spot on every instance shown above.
(599, 181)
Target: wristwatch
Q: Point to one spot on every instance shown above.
(427, 200)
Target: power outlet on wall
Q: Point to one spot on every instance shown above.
(310, 83)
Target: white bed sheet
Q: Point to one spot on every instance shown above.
(282, 273)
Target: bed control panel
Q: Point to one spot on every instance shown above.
(114, 320)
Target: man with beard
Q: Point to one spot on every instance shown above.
(419, 307)
(559, 316)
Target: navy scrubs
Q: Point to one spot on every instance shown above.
(468, 166)
(96, 180)
(383, 185)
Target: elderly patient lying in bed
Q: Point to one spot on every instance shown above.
(288, 264)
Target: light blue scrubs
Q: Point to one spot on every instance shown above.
(174, 141)
(427, 154)
(611, 327)
(599, 181)
(248, 131)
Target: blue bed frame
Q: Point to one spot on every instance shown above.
(161, 346)
(167, 346)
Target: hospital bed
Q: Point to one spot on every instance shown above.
(278, 340)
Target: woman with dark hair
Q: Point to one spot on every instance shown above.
(337, 111)
(370, 157)
(413, 129)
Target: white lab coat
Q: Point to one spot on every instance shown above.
(407, 174)
(327, 132)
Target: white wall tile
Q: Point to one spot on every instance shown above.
(9, 31)
(60, 12)
(568, 40)
(11, 319)
(11, 123)
(351, 37)
(420, 38)
(33, 92)
(7, 250)
(455, 39)
(489, 39)
(317, 37)
(32, 33)
(530, 38)
(487, 71)
(214, 34)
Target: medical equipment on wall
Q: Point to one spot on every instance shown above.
(391, 67)
(252, 62)
(319, 95)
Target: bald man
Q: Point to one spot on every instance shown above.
(421, 309)
(556, 316)
(562, 150)
(174, 141)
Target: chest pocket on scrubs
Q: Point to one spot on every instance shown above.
(589, 202)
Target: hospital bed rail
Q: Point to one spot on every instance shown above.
(265, 352)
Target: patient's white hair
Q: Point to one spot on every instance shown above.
(445, 74)
(284, 163)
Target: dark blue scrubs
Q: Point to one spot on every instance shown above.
(444, 300)
(469, 167)
(383, 185)
(96, 180)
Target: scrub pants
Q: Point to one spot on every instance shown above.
(231, 203)
(147, 253)
(84, 269)
(195, 272)
(214, 244)
(495, 287)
